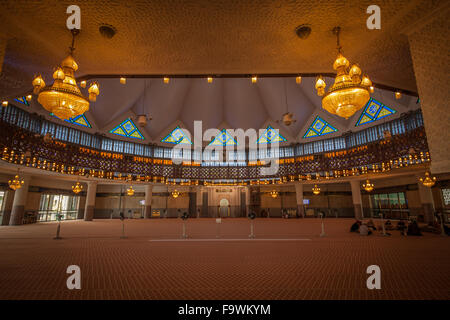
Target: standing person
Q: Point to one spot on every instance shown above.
(198, 213)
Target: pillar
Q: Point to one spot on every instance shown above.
(90, 200)
(148, 201)
(426, 200)
(19, 202)
(7, 206)
(428, 41)
(199, 201)
(247, 200)
(356, 197)
(299, 199)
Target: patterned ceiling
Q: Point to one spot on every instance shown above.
(207, 37)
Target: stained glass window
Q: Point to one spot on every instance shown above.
(223, 139)
(318, 128)
(22, 100)
(128, 129)
(373, 111)
(177, 136)
(270, 135)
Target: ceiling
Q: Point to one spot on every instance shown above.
(219, 37)
(207, 37)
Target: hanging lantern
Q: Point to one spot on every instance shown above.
(298, 80)
(175, 194)
(316, 190)
(368, 186)
(77, 188)
(123, 80)
(4, 103)
(63, 98)
(254, 79)
(274, 194)
(29, 97)
(210, 79)
(16, 183)
(350, 92)
(130, 191)
(166, 80)
(398, 95)
(428, 181)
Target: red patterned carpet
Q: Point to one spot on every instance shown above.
(33, 265)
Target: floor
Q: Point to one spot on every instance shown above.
(287, 260)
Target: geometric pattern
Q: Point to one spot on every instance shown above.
(80, 120)
(128, 129)
(373, 111)
(223, 139)
(177, 136)
(318, 128)
(22, 100)
(270, 136)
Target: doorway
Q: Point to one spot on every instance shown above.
(224, 208)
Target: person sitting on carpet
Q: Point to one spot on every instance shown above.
(355, 226)
(364, 230)
(371, 225)
(413, 229)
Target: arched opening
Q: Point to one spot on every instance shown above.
(224, 208)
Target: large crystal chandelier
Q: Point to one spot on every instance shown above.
(175, 194)
(350, 92)
(63, 98)
(274, 194)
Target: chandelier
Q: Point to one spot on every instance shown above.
(368, 186)
(274, 194)
(15, 183)
(130, 191)
(316, 190)
(175, 194)
(63, 98)
(428, 181)
(350, 92)
(77, 188)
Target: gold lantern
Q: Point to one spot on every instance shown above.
(428, 181)
(130, 191)
(63, 98)
(350, 92)
(175, 194)
(77, 188)
(16, 183)
(368, 186)
(316, 190)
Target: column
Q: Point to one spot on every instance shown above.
(426, 199)
(7, 206)
(299, 199)
(90, 200)
(20, 200)
(148, 201)
(247, 200)
(199, 201)
(357, 200)
(428, 41)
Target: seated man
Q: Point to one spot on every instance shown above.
(364, 230)
(371, 225)
(413, 229)
(355, 226)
